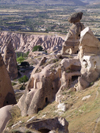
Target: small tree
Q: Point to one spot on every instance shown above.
(37, 48)
(20, 59)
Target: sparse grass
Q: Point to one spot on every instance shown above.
(81, 115)
(15, 113)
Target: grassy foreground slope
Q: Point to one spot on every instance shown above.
(83, 115)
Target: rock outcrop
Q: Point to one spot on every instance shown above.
(5, 116)
(6, 91)
(40, 90)
(59, 124)
(71, 44)
(10, 59)
(89, 57)
(26, 42)
(70, 73)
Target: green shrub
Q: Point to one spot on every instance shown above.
(13, 83)
(37, 48)
(20, 59)
(23, 79)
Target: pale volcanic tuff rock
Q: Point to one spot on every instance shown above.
(89, 56)
(6, 91)
(40, 91)
(10, 59)
(25, 42)
(71, 44)
(5, 116)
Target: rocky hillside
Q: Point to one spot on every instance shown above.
(62, 94)
(26, 42)
(68, 2)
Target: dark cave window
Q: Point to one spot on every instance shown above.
(46, 100)
(44, 130)
(7, 102)
(74, 78)
(38, 109)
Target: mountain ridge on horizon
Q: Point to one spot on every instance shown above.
(46, 2)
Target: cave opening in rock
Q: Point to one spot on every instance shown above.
(52, 88)
(74, 78)
(46, 100)
(44, 130)
(7, 102)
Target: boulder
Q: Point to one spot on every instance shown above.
(10, 59)
(46, 125)
(86, 97)
(76, 17)
(40, 91)
(6, 91)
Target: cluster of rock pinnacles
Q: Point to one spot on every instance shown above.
(44, 86)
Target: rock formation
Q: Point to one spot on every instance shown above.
(70, 72)
(26, 42)
(6, 91)
(71, 43)
(89, 57)
(10, 59)
(59, 124)
(40, 90)
(5, 116)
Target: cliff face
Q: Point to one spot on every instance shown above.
(25, 42)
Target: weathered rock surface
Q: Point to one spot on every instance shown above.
(10, 59)
(5, 116)
(76, 17)
(89, 57)
(44, 126)
(71, 44)
(40, 90)
(26, 42)
(6, 91)
(70, 72)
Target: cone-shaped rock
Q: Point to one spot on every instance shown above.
(7, 96)
(10, 59)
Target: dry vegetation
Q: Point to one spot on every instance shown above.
(83, 116)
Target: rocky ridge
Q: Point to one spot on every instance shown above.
(25, 42)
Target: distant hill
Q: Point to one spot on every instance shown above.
(91, 1)
(67, 2)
